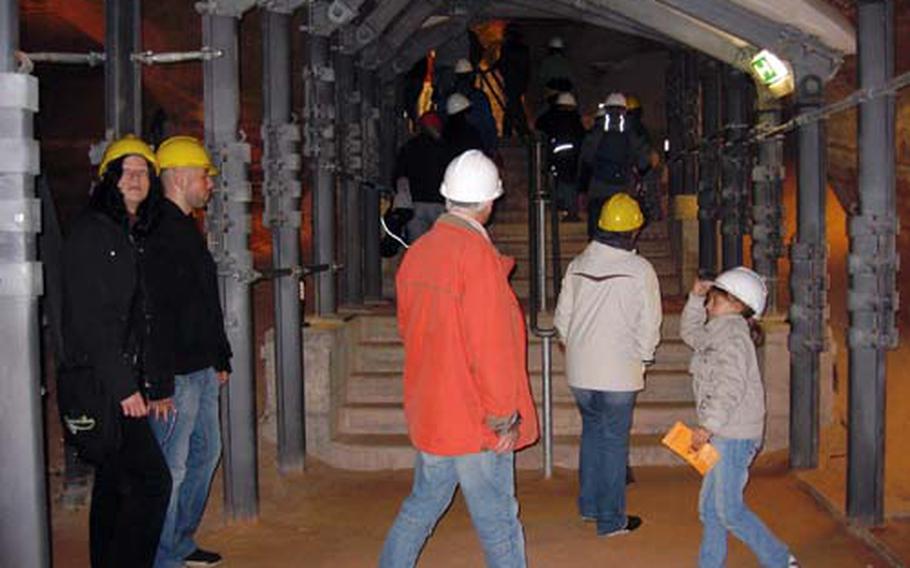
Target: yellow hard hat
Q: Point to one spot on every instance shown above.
(185, 152)
(632, 102)
(127, 146)
(620, 214)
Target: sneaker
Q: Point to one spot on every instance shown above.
(792, 563)
(632, 524)
(201, 557)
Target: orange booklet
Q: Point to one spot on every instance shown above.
(679, 439)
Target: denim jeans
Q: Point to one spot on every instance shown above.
(425, 214)
(721, 508)
(191, 443)
(606, 420)
(487, 480)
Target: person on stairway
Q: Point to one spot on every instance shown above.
(615, 164)
(563, 131)
(514, 64)
(480, 113)
(467, 398)
(718, 323)
(459, 134)
(419, 168)
(188, 428)
(555, 72)
(608, 316)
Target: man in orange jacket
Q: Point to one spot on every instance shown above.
(466, 394)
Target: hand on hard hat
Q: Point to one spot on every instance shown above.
(129, 145)
(620, 214)
(185, 152)
(471, 178)
(745, 285)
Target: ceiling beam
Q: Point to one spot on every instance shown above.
(418, 45)
(406, 25)
(377, 21)
(806, 53)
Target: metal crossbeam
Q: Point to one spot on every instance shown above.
(406, 24)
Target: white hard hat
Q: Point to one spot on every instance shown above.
(457, 103)
(746, 285)
(615, 100)
(471, 178)
(463, 66)
(566, 99)
(556, 43)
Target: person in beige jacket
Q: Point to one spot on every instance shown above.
(608, 316)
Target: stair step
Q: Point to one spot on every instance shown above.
(373, 452)
(387, 387)
(388, 418)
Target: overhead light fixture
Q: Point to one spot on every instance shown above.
(773, 73)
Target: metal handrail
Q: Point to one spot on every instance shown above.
(538, 301)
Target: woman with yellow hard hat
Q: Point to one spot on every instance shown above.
(112, 365)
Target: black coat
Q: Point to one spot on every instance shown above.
(108, 323)
(423, 160)
(183, 281)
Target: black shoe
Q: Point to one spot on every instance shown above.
(632, 524)
(201, 557)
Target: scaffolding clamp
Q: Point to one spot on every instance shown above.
(152, 58)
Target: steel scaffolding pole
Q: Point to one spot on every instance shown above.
(733, 166)
(675, 120)
(708, 170)
(767, 214)
(319, 147)
(369, 114)
(24, 534)
(228, 226)
(281, 164)
(690, 119)
(808, 280)
(350, 144)
(873, 296)
(122, 75)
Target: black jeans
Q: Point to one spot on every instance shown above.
(129, 500)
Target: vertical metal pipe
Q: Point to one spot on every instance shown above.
(281, 189)
(540, 210)
(347, 101)
(734, 168)
(24, 534)
(228, 226)
(872, 298)
(369, 114)
(675, 121)
(320, 147)
(808, 281)
(546, 368)
(708, 171)
(690, 120)
(122, 76)
(767, 178)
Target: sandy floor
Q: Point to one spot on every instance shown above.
(326, 517)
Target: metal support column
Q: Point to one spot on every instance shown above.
(281, 164)
(767, 214)
(690, 119)
(873, 298)
(319, 147)
(24, 534)
(347, 101)
(709, 170)
(733, 165)
(122, 75)
(369, 116)
(228, 227)
(808, 280)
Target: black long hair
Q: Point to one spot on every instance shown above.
(107, 199)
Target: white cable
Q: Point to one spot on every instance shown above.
(391, 234)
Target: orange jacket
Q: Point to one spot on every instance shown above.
(464, 340)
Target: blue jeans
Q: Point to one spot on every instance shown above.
(721, 509)
(191, 443)
(606, 420)
(487, 480)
